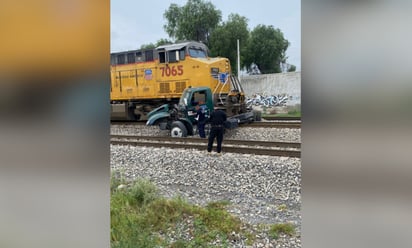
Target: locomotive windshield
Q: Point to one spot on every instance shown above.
(197, 52)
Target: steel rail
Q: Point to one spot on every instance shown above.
(200, 140)
(279, 118)
(272, 124)
(265, 124)
(193, 143)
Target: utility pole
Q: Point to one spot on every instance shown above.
(238, 60)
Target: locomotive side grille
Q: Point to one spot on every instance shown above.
(164, 88)
(180, 86)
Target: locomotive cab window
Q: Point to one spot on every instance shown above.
(162, 57)
(197, 52)
(182, 54)
(173, 56)
(170, 56)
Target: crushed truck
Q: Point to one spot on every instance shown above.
(180, 118)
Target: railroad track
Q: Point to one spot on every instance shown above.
(272, 124)
(286, 149)
(266, 124)
(278, 118)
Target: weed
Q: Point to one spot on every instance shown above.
(287, 112)
(180, 244)
(282, 207)
(294, 110)
(116, 179)
(285, 228)
(129, 228)
(139, 215)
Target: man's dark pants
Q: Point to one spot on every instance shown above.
(201, 128)
(218, 133)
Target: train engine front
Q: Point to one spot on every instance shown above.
(143, 80)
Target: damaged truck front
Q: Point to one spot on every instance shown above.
(180, 118)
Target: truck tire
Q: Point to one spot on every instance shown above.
(178, 129)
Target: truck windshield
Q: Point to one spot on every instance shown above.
(183, 99)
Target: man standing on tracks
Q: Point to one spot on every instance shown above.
(217, 120)
(201, 111)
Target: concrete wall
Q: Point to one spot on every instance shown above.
(273, 84)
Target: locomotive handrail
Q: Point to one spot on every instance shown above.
(221, 88)
(236, 83)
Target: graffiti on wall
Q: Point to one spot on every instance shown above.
(277, 89)
(269, 101)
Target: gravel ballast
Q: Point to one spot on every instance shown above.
(242, 133)
(260, 189)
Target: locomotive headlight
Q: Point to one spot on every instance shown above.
(214, 70)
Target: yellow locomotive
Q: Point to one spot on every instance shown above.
(142, 80)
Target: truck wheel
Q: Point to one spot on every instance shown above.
(178, 129)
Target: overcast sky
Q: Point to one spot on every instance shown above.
(134, 22)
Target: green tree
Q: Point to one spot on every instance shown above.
(158, 43)
(266, 49)
(147, 46)
(223, 40)
(292, 68)
(194, 21)
(162, 42)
